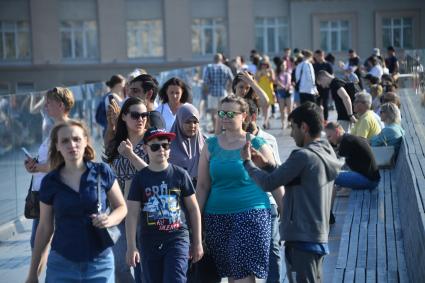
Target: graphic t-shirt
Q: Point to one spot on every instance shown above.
(161, 195)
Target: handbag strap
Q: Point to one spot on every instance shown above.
(99, 198)
(301, 72)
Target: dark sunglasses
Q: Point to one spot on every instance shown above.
(136, 115)
(156, 146)
(229, 114)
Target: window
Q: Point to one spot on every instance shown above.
(397, 32)
(14, 40)
(79, 39)
(144, 39)
(208, 36)
(335, 35)
(271, 35)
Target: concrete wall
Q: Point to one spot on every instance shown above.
(46, 68)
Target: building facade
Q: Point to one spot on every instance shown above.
(44, 43)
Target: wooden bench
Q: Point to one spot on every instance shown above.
(410, 183)
(371, 247)
(383, 237)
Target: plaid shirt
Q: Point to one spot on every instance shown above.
(216, 77)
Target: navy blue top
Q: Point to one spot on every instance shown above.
(161, 194)
(75, 237)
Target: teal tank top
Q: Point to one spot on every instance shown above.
(232, 190)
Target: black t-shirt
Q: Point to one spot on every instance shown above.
(161, 195)
(335, 85)
(358, 156)
(391, 63)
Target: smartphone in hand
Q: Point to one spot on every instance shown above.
(27, 154)
(248, 137)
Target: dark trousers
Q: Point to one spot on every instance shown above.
(304, 97)
(301, 266)
(165, 262)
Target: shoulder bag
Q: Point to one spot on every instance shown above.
(108, 236)
(384, 156)
(32, 204)
(297, 83)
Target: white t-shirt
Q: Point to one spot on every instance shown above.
(271, 141)
(168, 116)
(43, 154)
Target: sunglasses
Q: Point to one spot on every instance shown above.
(229, 114)
(156, 146)
(136, 115)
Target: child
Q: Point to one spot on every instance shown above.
(161, 195)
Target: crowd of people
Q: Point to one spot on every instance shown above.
(183, 198)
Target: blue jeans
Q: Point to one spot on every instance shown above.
(355, 181)
(33, 231)
(275, 261)
(165, 262)
(98, 270)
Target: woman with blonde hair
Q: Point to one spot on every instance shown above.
(392, 134)
(58, 102)
(69, 210)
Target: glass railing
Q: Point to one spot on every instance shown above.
(21, 125)
(415, 62)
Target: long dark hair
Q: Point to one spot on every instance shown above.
(186, 95)
(111, 150)
(251, 94)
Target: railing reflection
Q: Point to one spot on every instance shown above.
(22, 125)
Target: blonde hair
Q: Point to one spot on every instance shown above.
(376, 90)
(55, 157)
(62, 94)
(392, 111)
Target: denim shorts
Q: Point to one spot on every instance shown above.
(98, 270)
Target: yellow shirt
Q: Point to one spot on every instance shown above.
(367, 126)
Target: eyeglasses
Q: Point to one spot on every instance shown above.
(136, 115)
(229, 114)
(156, 146)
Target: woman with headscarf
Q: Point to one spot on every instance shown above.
(187, 147)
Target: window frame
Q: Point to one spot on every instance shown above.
(329, 31)
(16, 30)
(276, 25)
(85, 31)
(351, 18)
(202, 27)
(416, 26)
(150, 31)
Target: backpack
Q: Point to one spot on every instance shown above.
(352, 88)
(100, 116)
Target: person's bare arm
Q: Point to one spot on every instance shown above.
(347, 103)
(133, 255)
(196, 249)
(118, 213)
(42, 238)
(203, 186)
(264, 99)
